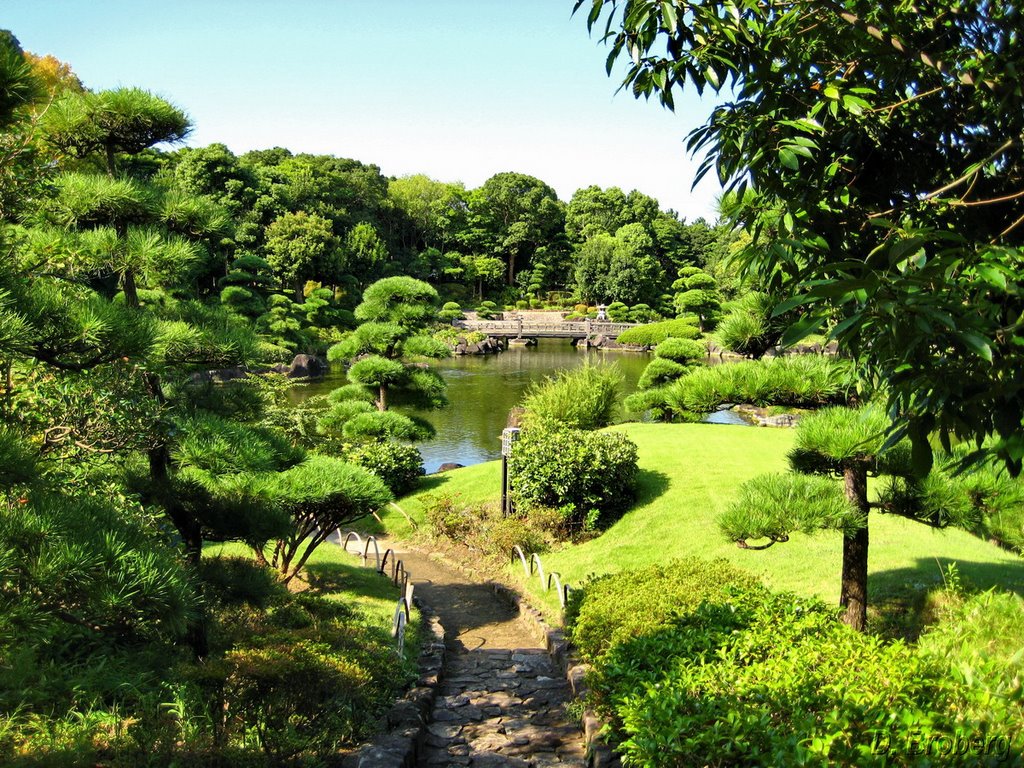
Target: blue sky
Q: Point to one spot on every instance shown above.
(456, 89)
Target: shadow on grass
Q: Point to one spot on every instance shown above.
(650, 485)
(430, 483)
(898, 598)
(326, 578)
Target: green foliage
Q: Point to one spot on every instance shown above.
(243, 301)
(376, 371)
(320, 495)
(119, 120)
(977, 641)
(912, 271)
(220, 446)
(412, 304)
(618, 312)
(807, 381)
(585, 397)
(487, 310)
(80, 562)
(399, 466)
(395, 312)
(301, 247)
(231, 581)
(609, 610)
(774, 506)
(682, 351)
(450, 312)
(484, 528)
(659, 372)
(697, 293)
(777, 680)
(831, 438)
(652, 334)
(696, 662)
(642, 313)
(749, 328)
(588, 476)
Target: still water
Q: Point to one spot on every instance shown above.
(482, 390)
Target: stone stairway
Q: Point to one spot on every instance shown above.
(502, 699)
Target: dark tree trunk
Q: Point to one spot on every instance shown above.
(512, 268)
(131, 291)
(853, 595)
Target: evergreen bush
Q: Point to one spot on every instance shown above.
(589, 476)
(652, 334)
(698, 664)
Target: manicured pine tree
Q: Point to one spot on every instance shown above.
(384, 355)
(841, 443)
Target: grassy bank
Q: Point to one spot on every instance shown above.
(689, 473)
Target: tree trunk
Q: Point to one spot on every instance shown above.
(111, 161)
(511, 268)
(382, 400)
(299, 296)
(131, 291)
(853, 596)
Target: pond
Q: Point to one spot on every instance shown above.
(482, 390)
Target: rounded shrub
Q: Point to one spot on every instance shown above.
(450, 312)
(487, 310)
(588, 476)
(582, 398)
(660, 372)
(610, 609)
(652, 334)
(618, 312)
(400, 466)
(683, 351)
(642, 313)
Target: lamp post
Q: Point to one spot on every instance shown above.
(509, 435)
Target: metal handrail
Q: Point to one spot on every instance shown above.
(536, 565)
(399, 623)
(517, 551)
(404, 603)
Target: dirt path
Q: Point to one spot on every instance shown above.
(502, 699)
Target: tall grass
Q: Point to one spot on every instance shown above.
(582, 398)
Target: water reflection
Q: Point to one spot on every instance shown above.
(482, 390)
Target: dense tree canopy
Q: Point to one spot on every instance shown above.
(880, 148)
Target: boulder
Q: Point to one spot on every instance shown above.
(306, 366)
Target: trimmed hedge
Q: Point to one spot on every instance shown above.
(652, 334)
(699, 665)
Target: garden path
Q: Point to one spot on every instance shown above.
(502, 699)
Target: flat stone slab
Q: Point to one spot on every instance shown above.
(501, 701)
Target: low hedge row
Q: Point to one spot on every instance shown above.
(698, 664)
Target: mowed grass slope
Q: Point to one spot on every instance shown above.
(690, 473)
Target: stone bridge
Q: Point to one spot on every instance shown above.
(582, 330)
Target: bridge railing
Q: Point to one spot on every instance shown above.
(582, 329)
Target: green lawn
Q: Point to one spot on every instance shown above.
(689, 473)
